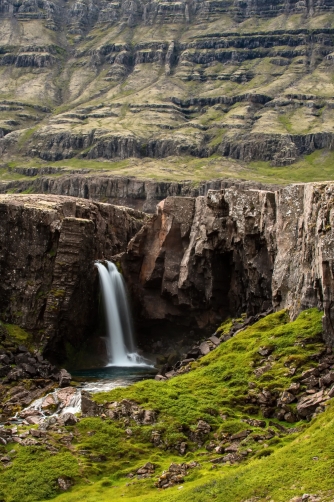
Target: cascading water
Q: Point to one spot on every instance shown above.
(120, 346)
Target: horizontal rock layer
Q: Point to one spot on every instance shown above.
(139, 194)
(238, 79)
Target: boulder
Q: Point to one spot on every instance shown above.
(69, 419)
(64, 378)
(204, 348)
(88, 407)
(308, 404)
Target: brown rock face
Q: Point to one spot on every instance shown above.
(233, 251)
(48, 245)
(304, 267)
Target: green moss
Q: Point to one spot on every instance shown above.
(215, 390)
(18, 335)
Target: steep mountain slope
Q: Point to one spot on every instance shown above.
(252, 79)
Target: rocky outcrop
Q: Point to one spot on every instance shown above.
(139, 194)
(48, 245)
(233, 251)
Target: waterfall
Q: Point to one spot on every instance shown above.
(120, 345)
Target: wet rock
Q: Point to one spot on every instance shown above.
(64, 378)
(89, 408)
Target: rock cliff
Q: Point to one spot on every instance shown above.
(48, 245)
(234, 251)
(139, 194)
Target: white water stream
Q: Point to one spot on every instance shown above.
(120, 346)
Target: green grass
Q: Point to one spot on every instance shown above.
(220, 380)
(216, 386)
(318, 166)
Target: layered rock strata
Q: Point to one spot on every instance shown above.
(236, 78)
(139, 194)
(48, 245)
(232, 251)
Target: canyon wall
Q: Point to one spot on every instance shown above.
(195, 262)
(48, 244)
(141, 194)
(234, 251)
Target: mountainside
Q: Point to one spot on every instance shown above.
(251, 80)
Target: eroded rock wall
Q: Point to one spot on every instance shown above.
(131, 192)
(233, 251)
(48, 245)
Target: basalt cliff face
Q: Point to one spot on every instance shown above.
(48, 245)
(95, 79)
(189, 267)
(234, 251)
(140, 194)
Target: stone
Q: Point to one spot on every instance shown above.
(232, 448)
(265, 351)
(240, 435)
(69, 419)
(294, 388)
(4, 370)
(307, 405)
(215, 340)
(159, 378)
(65, 483)
(34, 419)
(204, 348)
(64, 378)
(88, 407)
(327, 379)
(170, 374)
(286, 398)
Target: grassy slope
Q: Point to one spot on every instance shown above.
(217, 385)
(319, 166)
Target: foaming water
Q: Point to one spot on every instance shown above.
(120, 346)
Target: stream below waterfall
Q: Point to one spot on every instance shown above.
(125, 366)
(68, 399)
